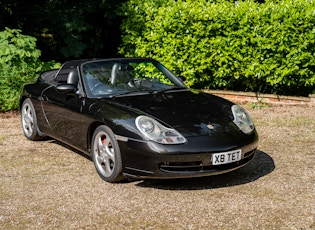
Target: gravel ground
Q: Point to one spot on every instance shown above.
(45, 185)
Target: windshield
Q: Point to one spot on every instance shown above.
(127, 76)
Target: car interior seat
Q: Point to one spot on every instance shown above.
(73, 78)
(121, 74)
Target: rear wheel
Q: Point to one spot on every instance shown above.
(106, 155)
(29, 121)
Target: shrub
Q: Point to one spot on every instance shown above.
(19, 64)
(263, 47)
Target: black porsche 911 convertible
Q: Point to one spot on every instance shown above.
(136, 119)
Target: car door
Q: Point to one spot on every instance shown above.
(63, 113)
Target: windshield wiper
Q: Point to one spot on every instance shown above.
(146, 91)
(134, 92)
(176, 88)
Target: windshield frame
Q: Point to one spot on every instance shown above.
(176, 82)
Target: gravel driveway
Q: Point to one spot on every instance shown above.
(47, 185)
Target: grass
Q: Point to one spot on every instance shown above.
(257, 105)
(45, 185)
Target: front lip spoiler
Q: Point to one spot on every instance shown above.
(138, 170)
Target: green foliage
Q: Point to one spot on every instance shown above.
(263, 47)
(19, 64)
(66, 29)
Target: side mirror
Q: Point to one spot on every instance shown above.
(66, 89)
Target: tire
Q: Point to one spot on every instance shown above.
(29, 121)
(106, 155)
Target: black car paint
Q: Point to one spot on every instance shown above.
(72, 118)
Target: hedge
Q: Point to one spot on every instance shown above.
(261, 47)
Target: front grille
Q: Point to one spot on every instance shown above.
(249, 153)
(181, 166)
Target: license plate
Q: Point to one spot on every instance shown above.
(226, 157)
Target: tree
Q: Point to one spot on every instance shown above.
(66, 29)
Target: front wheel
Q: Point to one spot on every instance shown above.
(29, 121)
(106, 155)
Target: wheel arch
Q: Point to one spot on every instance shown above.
(91, 131)
(22, 99)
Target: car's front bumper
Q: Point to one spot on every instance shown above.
(151, 160)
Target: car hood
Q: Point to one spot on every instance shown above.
(192, 113)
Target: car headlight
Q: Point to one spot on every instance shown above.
(155, 131)
(242, 119)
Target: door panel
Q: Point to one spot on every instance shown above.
(63, 114)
